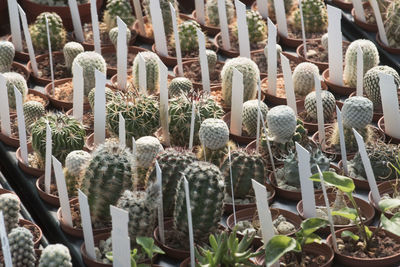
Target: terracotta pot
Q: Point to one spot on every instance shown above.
(5, 191)
(111, 50)
(391, 139)
(22, 68)
(173, 253)
(85, 109)
(338, 89)
(144, 39)
(90, 46)
(292, 42)
(209, 30)
(114, 81)
(25, 167)
(36, 93)
(22, 56)
(10, 141)
(383, 188)
(378, 113)
(391, 50)
(347, 6)
(364, 25)
(48, 198)
(171, 61)
(369, 262)
(36, 242)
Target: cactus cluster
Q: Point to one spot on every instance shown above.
(328, 105)
(152, 71)
(303, 78)
(118, 8)
(33, 111)
(74, 164)
(179, 85)
(55, 255)
(71, 50)
(113, 35)
(10, 206)
(391, 23)
(187, 36)
(315, 16)
(16, 80)
(165, 12)
(282, 123)
(7, 53)
(257, 28)
(250, 115)
(21, 247)
(212, 14)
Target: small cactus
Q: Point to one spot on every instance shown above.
(74, 164)
(303, 78)
(212, 14)
(71, 50)
(324, 41)
(147, 148)
(250, 115)
(214, 133)
(392, 22)
(55, 255)
(165, 12)
(315, 16)
(33, 111)
(257, 28)
(187, 36)
(108, 92)
(328, 105)
(21, 247)
(118, 8)
(10, 206)
(113, 35)
(179, 85)
(152, 71)
(212, 59)
(18, 81)
(7, 53)
(282, 123)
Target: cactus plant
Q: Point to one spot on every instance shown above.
(187, 36)
(16, 80)
(278, 50)
(67, 134)
(213, 133)
(315, 16)
(281, 122)
(328, 105)
(33, 111)
(21, 247)
(108, 92)
(250, 72)
(38, 31)
(108, 173)
(147, 148)
(55, 255)
(257, 28)
(212, 59)
(57, 2)
(212, 14)
(250, 115)
(113, 35)
(303, 78)
(118, 8)
(74, 164)
(370, 60)
(7, 53)
(10, 206)
(152, 71)
(179, 85)
(391, 23)
(324, 41)
(165, 12)
(71, 50)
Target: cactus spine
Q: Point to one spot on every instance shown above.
(250, 115)
(55, 255)
(152, 71)
(10, 206)
(16, 80)
(74, 164)
(328, 105)
(315, 16)
(179, 85)
(7, 53)
(71, 50)
(212, 14)
(33, 111)
(303, 78)
(21, 247)
(118, 8)
(282, 123)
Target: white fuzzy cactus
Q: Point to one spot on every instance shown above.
(282, 123)
(303, 78)
(56, 256)
(147, 148)
(213, 133)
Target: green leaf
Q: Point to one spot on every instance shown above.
(343, 183)
(109, 256)
(350, 234)
(387, 204)
(312, 238)
(311, 225)
(368, 232)
(346, 212)
(148, 246)
(392, 225)
(278, 246)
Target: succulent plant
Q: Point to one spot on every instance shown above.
(278, 50)
(257, 28)
(179, 85)
(213, 133)
(71, 50)
(90, 62)
(324, 41)
(38, 31)
(303, 78)
(165, 12)
(18, 81)
(328, 105)
(250, 72)
(152, 71)
(288, 5)
(10, 206)
(250, 115)
(57, 2)
(74, 164)
(33, 111)
(113, 35)
(108, 92)
(212, 14)
(118, 8)
(392, 22)
(67, 134)
(282, 123)
(212, 59)
(187, 36)
(21, 247)
(55, 255)
(7, 53)
(147, 148)
(315, 16)
(370, 60)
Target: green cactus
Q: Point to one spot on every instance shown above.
(250, 115)
(147, 148)
(152, 71)
(328, 105)
(250, 72)
(370, 60)
(10, 206)
(371, 83)
(212, 15)
(55, 255)
(315, 16)
(179, 85)
(108, 173)
(212, 59)
(90, 62)
(108, 92)
(71, 50)
(282, 123)
(67, 134)
(206, 191)
(21, 247)
(113, 35)
(33, 111)
(257, 28)
(165, 12)
(391, 23)
(278, 51)
(213, 133)
(288, 5)
(7, 53)
(303, 78)
(38, 31)
(324, 41)
(118, 8)
(18, 81)
(74, 164)
(187, 36)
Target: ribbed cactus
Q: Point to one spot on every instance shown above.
(206, 191)
(282, 123)
(108, 174)
(152, 71)
(213, 133)
(179, 85)
(21, 247)
(315, 16)
(118, 8)
(33, 111)
(113, 35)
(74, 164)
(257, 28)
(245, 167)
(147, 148)
(55, 255)
(212, 59)
(250, 72)
(212, 14)
(187, 36)
(370, 60)
(371, 82)
(250, 115)
(67, 134)
(324, 41)
(108, 92)
(16, 80)
(71, 50)
(392, 22)
(38, 31)
(10, 206)
(165, 12)
(303, 78)
(7, 53)
(328, 105)
(90, 62)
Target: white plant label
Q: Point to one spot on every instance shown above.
(62, 192)
(205, 74)
(122, 54)
(47, 166)
(388, 90)
(76, 20)
(164, 101)
(28, 41)
(190, 225)
(368, 168)
(262, 6)
(335, 45)
(95, 26)
(320, 111)
(142, 75)
(199, 6)
(192, 121)
(271, 157)
(237, 103)
(379, 22)
(258, 115)
(223, 24)
(4, 108)
(121, 247)
(134, 153)
(158, 28)
(21, 126)
(264, 213)
(303, 29)
(160, 206)
(100, 108)
(15, 24)
(139, 17)
(243, 32)
(342, 140)
(289, 87)
(86, 224)
(177, 40)
(359, 10)
(50, 55)
(121, 131)
(272, 57)
(280, 15)
(307, 186)
(232, 191)
(77, 81)
(360, 73)
(5, 246)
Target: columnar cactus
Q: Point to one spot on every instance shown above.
(250, 115)
(7, 53)
(118, 8)
(55, 255)
(71, 50)
(108, 173)
(113, 35)
(328, 105)
(212, 59)
(10, 206)
(67, 134)
(315, 16)
(165, 12)
(33, 111)
(303, 78)
(282, 123)
(152, 71)
(392, 22)
(212, 14)
(147, 148)
(187, 36)
(371, 82)
(21, 247)
(16, 80)
(207, 189)
(90, 62)
(178, 86)
(58, 35)
(108, 92)
(370, 60)
(74, 164)
(250, 72)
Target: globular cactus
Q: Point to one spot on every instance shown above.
(7, 53)
(206, 191)
(113, 35)
(57, 2)
(10, 205)
(250, 72)
(108, 92)
(212, 14)
(371, 83)
(213, 133)
(71, 50)
(67, 134)
(370, 60)
(187, 36)
(391, 23)
(257, 28)
(324, 41)
(33, 111)
(315, 16)
(118, 8)
(55, 255)
(179, 85)
(172, 162)
(245, 167)
(303, 78)
(147, 148)
(250, 115)
(108, 173)
(18, 81)
(328, 105)
(165, 12)
(21, 247)
(212, 59)
(152, 71)
(38, 31)
(281, 122)
(288, 5)
(90, 62)
(278, 51)
(74, 164)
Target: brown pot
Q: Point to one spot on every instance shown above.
(364, 25)
(338, 89)
(209, 30)
(113, 85)
(391, 50)
(176, 254)
(90, 46)
(292, 42)
(144, 39)
(48, 198)
(347, 6)
(111, 50)
(391, 139)
(27, 168)
(383, 188)
(22, 56)
(369, 262)
(378, 113)
(36, 93)
(22, 68)
(36, 242)
(169, 60)
(10, 141)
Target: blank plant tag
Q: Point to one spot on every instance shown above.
(359, 10)
(232, 191)
(205, 74)
(258, 115)
(360, 74)
(388, 90)
(86, 224)
(15, 24)
(303, 29)
(243, 32)
(62, 192)
(142, 75)
(122, 54)
(77, 81)
(134, 153)
(379, 22)
(139, 16)
(223, 24)
(120, 237)
(199, 5)
(100, 108)
(47, 167)
(190, 225)
(50, 55)
(289, 87)
(4, 108)
(320, 111)
(158, 28)
(262, 6)
(21, 126)
(192, 121)
(164, 102)
(76, 20)
(237, 103)
(177, 40)
(28, 41)
(342, 140)
(95, 27)
(160, 206)
(281, 17)
(121, 131)
(4, 242)
(272, 58)
(267, 227)
(335, 45)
